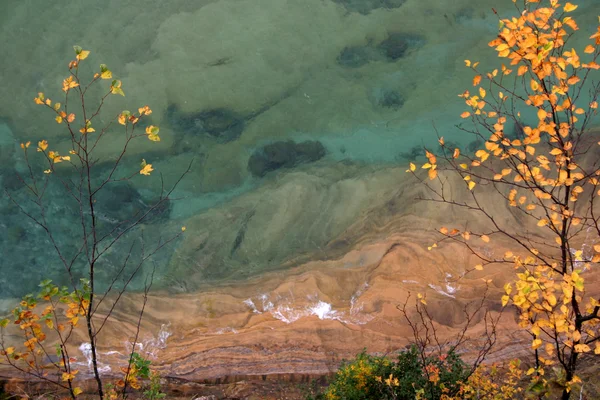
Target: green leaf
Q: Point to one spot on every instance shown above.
(45, 282)
(77, 49)
(4, 323)
(538, 388)
(115, 87)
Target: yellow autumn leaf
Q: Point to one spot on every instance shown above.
(68, 376)
(471, 185)
(152, 132)
(570, 7)
(479, 267)
(42, 145)
(589, 49)
(83, 54)
(465, 114)
(536, 344)
(582, 348)
(485, 238)
(77, 391)
(183, 229)
(412, 167)
(146, 169)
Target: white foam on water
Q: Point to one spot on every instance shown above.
(86, 350)
(323, 311)
(285, 310)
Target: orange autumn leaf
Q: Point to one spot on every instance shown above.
(432, 173)
(522, 70)
(541, 114)
(69, 84)
(570, 7)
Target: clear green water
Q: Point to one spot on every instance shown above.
(361, 81)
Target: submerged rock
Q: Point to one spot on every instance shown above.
(222, 124)
(357, 56)
(389, 98)
(285, 154)
(366, 6)
(398, 44)
(121, 201)
(395, 46)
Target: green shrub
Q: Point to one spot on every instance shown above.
(410, 376)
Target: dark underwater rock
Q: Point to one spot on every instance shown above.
(121, 201)
(395, 46)
(398, 44)
(222, 124)
(357, 56)
(284, 154)
(366, 6)
(389, 98)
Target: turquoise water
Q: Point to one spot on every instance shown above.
(286, 108)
